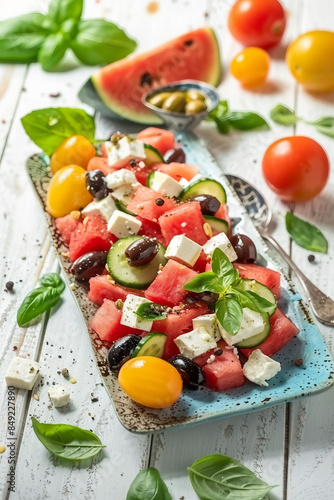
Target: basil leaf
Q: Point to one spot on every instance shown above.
(324, 125)
(53, 280)
(222, 266)
(219, 116)
(49, 127)
(52, 51)
(253, 301)
(216, 477)
(148, 485)
(205, 282)
(229, 313)
(67, 441)
(101, 42)
(21, 37)
(246, 120)
(60, 10)
(151, 311)
(36, 302)
(306, 235)
(283, 115)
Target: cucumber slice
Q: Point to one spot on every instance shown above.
(152, 155)
(149, 179)
(217, 224)
(262, 290)
(120, 206)
(205, 186)
(133, 277)
(260, 337)
(151, 345)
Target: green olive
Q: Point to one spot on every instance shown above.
(194, 107)
(175, 102)
(194, 95)
(158, 99)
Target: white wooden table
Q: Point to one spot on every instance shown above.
(289, 445)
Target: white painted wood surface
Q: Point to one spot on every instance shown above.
(288, 445)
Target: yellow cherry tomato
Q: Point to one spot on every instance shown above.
(251, 66)
(311, 60)
(76, 150)
(67, 191)
(151, 381)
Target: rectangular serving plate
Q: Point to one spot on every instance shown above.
(194, 407)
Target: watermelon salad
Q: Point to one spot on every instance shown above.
(179, 298)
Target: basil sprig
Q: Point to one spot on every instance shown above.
(46, 38)
(225, 280)
(285, 116)
(306, 235)
(238, 120)
(151, 311)
(41, 299)
(67, 441)
(148, 485)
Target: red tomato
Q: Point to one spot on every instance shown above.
(296, 168)
(257, 23)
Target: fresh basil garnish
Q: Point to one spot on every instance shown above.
(324, 125)
(229, 313)
(306, 235)
(205, 282)
(49, 127)
(67, 441)
(148, 485)
(61, 10)
(238, 120)
(216, 477)
(52, 50)
(151, 311)
(283, 115)
(40, 299)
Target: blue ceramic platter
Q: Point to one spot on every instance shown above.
(193, 407)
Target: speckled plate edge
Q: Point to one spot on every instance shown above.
(315, 375)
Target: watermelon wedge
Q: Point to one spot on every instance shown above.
(121, 85)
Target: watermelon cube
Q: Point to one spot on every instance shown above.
(144, 204)
(161, 139)
(264, 275)
(102, 288)
(150, 229)
(282, 331)
(178, 170)
(91, 234)
(101, 163)
(66, 226)
(185, 219)
(106, 322)
(167, 288)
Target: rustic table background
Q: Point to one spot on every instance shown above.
(289, 445)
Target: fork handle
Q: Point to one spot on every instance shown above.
(322, 305)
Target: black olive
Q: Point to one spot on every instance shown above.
(175, 155)
(96, 184)
(89, 265)
(244, 248)
(191, 373)
(142, 251)
(209, 204)
(122, 350)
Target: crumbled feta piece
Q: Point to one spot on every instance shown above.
(183, 250)
(59, 395)
(251, 324)
(220, 241)
(22, 373)
(120, 178)
(122, 224)
(125, 193)
(129, 316)
(209, 322)
(259, 368)
(165, 184)
(183, 182)
(195, 343)
(211, 359)
(105, 207)
(125, 150)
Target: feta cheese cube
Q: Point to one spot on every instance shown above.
(220, 241)
(105, 207)
(120, 178)
(165, 184)
(122, 224)
(59, 395)
(125, 193)
(259, 368)
(197, 177)
(251, 324)
(209, 322)
(183, 182)
(183, 250)
(125, 150)
(129, 316)
(195, 343)
(22, 373)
